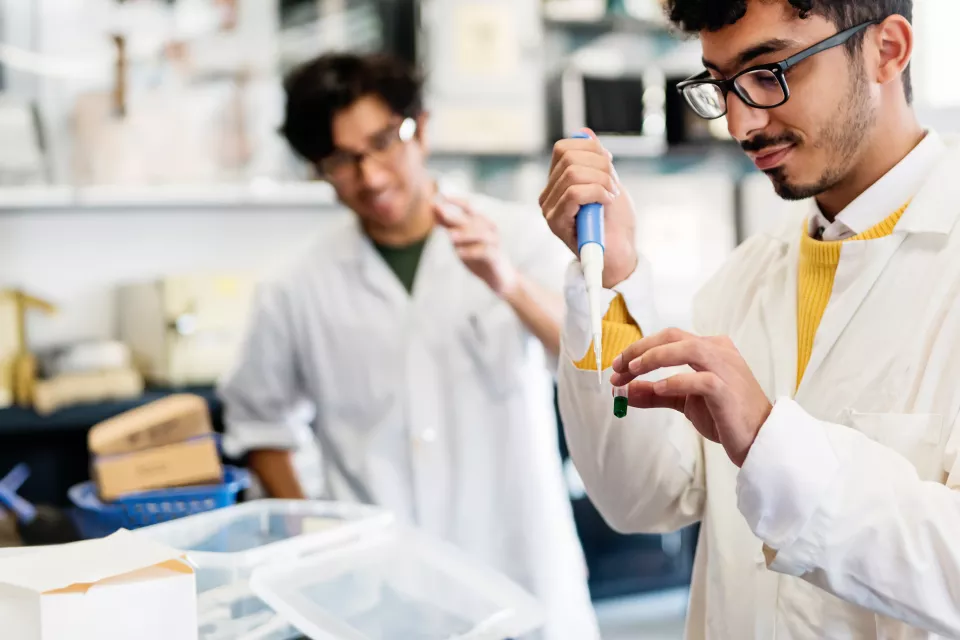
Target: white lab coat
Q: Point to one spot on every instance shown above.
(853, 478)
(438, 405)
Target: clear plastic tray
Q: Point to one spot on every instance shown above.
(396, 584)
(228, 544)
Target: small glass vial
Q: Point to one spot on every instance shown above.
(620, 402)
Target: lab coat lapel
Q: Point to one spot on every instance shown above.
(375, 273)
(861, 264)
(779, 309)
(435, 290)
(934, 210)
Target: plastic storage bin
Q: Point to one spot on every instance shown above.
(396, 584)
(96, 519)
(227, 545)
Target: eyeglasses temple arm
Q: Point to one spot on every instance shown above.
(829, 43)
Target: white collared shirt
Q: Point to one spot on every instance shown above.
(886, 196)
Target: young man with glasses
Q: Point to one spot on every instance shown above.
(418, 332)
(810, 424)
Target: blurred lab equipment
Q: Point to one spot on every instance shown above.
(36, 525)
(484, 65)
(590, 247)
(185, 330)
(83, 357)
(23, 153)
(574, 10)
(69, 389)
(84, 373)
(18, 366)
(613, 87)
(9, 346)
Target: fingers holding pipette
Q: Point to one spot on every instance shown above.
(582, 173)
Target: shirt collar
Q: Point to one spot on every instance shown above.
(895, 189)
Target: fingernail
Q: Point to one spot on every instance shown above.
(616, 190)
(660, 387)
(618, 362)
(636, 365)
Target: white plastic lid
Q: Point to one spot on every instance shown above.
(396, 584)
(254, 532)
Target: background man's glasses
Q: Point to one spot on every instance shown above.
(342, 165)
(761, 87)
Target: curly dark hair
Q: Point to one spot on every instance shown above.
(694, 16)
(318, 89)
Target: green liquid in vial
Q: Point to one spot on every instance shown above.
(620, 406)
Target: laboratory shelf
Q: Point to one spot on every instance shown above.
(17, 421)
(55, 446)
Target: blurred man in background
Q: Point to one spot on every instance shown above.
(418, 333)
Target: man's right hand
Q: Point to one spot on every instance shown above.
(581, 172)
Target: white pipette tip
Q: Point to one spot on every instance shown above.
(591, 259)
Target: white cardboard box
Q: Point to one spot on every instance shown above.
(116, 588)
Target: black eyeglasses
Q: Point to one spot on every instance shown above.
(342, 165)
(762, 87)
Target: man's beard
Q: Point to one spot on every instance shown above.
(841, 137)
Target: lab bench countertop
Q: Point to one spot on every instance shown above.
(17, 421)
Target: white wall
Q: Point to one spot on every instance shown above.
(76, 258)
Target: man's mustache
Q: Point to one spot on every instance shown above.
(761, 142)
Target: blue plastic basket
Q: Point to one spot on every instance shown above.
(96, 519)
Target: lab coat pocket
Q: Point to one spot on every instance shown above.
(493, 343)
(915, 436)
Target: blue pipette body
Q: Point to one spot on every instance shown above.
(589, 218)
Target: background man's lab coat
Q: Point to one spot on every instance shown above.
(437, 405)
(854, 478)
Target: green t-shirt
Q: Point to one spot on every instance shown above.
(403, 261)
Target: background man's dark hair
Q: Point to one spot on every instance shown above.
(318, 89)
(712, 15)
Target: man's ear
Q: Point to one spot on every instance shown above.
(422, 137)
(894, 45)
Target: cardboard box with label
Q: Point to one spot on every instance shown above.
(167, 443)
(116, 588)
(172, 419)
(196, 461)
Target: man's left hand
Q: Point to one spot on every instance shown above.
(721, 397)
(477, 241)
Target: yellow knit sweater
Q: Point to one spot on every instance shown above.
(818, 265)
(619, 332)
(817, 268)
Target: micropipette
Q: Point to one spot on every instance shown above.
(590, 247)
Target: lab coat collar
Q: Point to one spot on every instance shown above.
(936, 207)
(374, 271)
(438, 255)
(888, 194)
